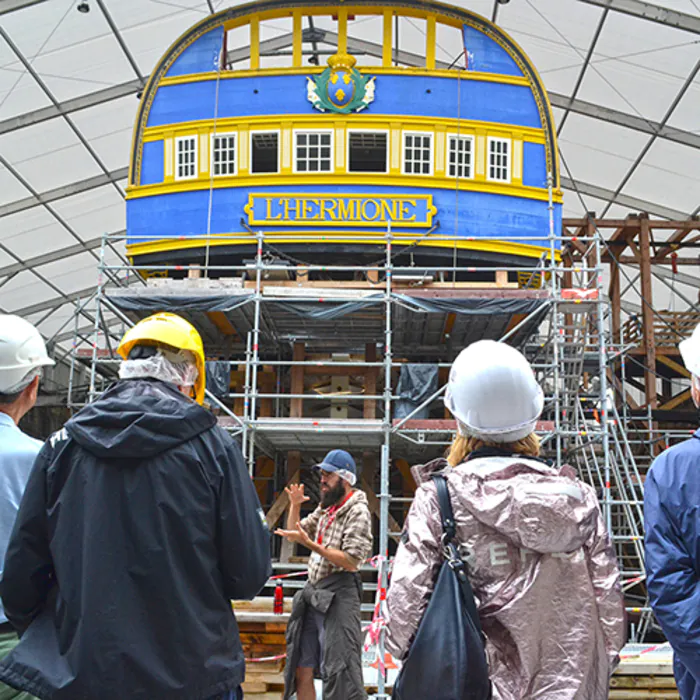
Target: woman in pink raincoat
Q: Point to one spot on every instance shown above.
(544, 574)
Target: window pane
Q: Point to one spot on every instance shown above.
(264, 152)
(313, 152)
(499, 160)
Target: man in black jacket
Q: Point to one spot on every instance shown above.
(138, 526)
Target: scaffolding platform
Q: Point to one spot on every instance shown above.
(426, 321)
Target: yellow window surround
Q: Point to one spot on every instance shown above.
(339, 129)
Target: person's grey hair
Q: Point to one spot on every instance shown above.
(695, 381)
(177, 368)
(12, 393)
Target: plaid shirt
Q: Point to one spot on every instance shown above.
(350, 532)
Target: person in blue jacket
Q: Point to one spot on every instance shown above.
(672, 541)
(22, 357)
(138, 526)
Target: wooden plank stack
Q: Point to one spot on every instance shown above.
(645, 672)
(263, 637)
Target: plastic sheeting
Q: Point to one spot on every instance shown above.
(218, 378)
(472, 306)
(218, 302)
(417, 383)
(331, 308)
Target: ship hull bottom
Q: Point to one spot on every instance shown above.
(439, 262)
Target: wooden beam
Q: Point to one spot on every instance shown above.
(637, 385)
(636, 254)
(296, 409)
(408, 481)
(614, 293)
(578, 245)
(676, 401)
(621, 236)
(267, 383)
(220, 320)
(288, 548)
(449, 325)
(280, 505)
(647, 313)
(670, 246)
(677, 367)
(607, 224)
(628, 260)
(293, 464)
(264, 469)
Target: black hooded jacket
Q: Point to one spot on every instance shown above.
(138, 526)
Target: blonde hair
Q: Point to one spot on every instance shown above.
(464, 445)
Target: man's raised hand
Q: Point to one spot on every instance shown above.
(296, 494)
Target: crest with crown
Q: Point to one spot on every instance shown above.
(341, 87)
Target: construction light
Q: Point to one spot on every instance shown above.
(84, 7)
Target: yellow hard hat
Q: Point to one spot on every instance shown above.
(171, 330)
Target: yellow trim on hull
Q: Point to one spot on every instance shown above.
(367, 70)
(412, 183)
(364, 121)
(482, 245)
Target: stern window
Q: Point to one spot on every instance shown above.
(224, 161)
(185, 157)
(367, 152)
(264, 147)
(460, 156)
(312, 152)
(418, 154)
(499, 160)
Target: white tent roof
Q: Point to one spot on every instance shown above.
(623, 77)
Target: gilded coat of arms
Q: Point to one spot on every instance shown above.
(341, 87)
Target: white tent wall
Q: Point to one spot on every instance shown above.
(75, 161)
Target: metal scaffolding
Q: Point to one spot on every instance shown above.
(290, 326)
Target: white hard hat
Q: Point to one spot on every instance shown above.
(690, 352)
(22, 350)
(493, 393)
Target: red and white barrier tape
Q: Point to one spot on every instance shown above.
(262, 659)
(648, 650)
(374, 631)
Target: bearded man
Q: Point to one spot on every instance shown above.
(324, 636)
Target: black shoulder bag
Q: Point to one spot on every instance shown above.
(447, 660)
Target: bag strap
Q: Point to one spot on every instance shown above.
(446, 514)
(449, 530)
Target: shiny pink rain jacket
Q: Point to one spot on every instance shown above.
(544, 574)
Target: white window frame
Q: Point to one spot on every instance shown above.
(509, 159)
(295, 133)
(431, 136)
(386, 133)
(179, 139)
(279, 151)
(225, 134)
(472, 162)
